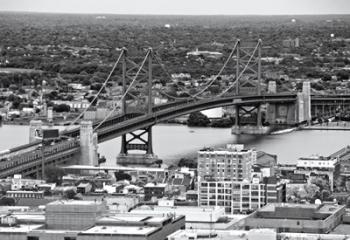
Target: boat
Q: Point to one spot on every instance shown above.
(283, 131)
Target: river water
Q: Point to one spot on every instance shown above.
(171, 142)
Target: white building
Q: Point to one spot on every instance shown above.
(254, 234)
(231, 163)
(240, 196)
(319, 166)
(225, 180)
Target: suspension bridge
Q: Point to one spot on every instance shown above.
(258, 109)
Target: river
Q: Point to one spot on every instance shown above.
(172, 142)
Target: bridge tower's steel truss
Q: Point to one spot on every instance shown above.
(248, 81)
(136, 140)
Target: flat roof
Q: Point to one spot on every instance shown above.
(155, 185)
(116, 168)
(323, 208)
(22, 228)
(123, 218)
(156, 219)
(30, 217)
(74, 202)
(119, 230)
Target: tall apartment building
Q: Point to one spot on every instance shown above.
(233, 163)
(225, 180)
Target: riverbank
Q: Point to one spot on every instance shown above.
(332, 126)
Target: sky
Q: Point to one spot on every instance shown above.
(185, 7)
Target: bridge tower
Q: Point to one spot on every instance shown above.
(304, 104)
(88, 144)
(140, 140)
(248, 82)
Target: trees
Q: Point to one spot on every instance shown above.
(7, 201)
(69, 194)
(61, 108)
(187, 162)
(54, 174)
(120, 175)
(198, 119)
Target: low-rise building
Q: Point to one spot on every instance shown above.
(241, 196)
(304, 218)
(343, 156)
(155, 190)
(328, 167)
(254, 234)
(86, 220)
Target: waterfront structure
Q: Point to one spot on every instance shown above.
(304, 218)
(85, 220)
(319, 166)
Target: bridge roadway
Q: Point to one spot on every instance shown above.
(119, 125)
(28, 163)
(26, 159)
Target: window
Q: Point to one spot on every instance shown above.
(32, 238)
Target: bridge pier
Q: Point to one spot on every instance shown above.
(137, 141)
(257, 129)
(34, 126)
(88, 144)
(304, 104)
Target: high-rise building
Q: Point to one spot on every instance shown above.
(233, 163)
(225, 179)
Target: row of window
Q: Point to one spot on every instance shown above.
(37, 154)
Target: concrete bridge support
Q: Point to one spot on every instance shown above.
(88, 144)
(254, 127)
(140, 140)
(281, 113)
(303, 111)
(35, 126)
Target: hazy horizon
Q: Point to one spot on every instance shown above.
(158, 14)
(180, 7)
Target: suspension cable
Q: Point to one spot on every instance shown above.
(240, 75)
(102, 87)
(211, 81)
(127, 90)
(169, 76)
(221, 70)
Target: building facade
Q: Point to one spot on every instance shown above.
(240, 196)
(225, 179)
(319, 166)
(231, 164)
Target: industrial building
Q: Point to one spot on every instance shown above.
(303, 218)
(85, 220)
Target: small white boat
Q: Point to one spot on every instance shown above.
(283, 131)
